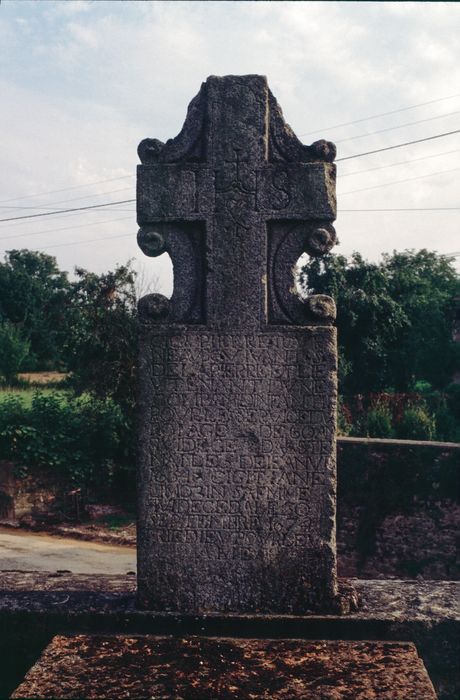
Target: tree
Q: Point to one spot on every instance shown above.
(13, 351)
(101, 342)
(394, 318)
(424, 284)
(33, 296)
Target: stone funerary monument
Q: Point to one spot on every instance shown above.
(237, 371)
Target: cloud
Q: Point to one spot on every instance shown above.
(96, 78)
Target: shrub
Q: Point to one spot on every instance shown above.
(421, 386)
(378, 422)
(13, 351)
(447, 427)
(453, 399)
(416, 424)
(344, 419)
(81, 439)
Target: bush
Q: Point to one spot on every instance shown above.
(378, 422)
(422, 386)
(344, 419)
(447, 427)
(13, 351)
(81, 439)
(453, 399)
(416, 424)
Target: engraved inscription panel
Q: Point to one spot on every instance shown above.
(239, 493)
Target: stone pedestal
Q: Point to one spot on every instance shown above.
(198, 668)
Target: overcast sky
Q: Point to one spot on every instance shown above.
(81, 83)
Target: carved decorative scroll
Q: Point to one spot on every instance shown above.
(184, 243)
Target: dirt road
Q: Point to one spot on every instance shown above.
(24, 551)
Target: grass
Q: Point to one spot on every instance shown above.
(28, 384)
(42, 378)
(27, 395)
(117, 522)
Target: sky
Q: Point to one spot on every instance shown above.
(81, 83)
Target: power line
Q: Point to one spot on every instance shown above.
(129, 235)
(124, 189)
(27, 222)
(401, 162)
(63, 201)
(336, 126)
(92, 240)
(403, 209)
(399, 126)
(66, 228)
(397, 182)
(399, 145)
(64, 189)
(129, 201)
(382, 114)
(64, 211)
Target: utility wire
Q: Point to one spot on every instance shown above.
(401, 162)
(382, 114)
(64, 201)
(399, 145)
(397, 182)
(92, 240)
(336, 126)
(404, 209)
(129, 235)
(64, 211)
(67, 228)
(126, 201)
(64, 189)
(124, 189)
(71, 215)
(398, 126)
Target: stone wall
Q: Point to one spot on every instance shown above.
(7, 488)
(26, 496)
(398, 509)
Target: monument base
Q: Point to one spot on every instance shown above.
(36, 606)
(201, 668)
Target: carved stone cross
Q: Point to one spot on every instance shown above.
(238, 372)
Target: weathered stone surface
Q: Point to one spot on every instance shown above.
(238, 373)
(199, 668)
(36, 606)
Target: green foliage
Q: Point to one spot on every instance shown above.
(33, 297)
(406, 416)
(453, 399)
(394, 319)
(447, 426)
(422, 386)
(78, 438)
(379, 422)
(13, 351)
(344, 419)
(101, 342)
(416, 424)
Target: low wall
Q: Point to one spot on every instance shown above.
(398, 511)
(397, 514)
(32, 494)
(7, 490)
